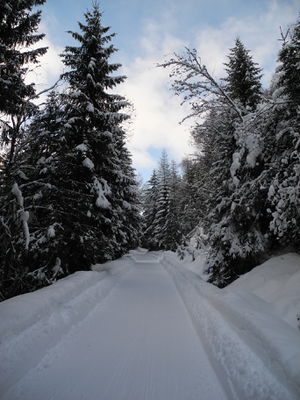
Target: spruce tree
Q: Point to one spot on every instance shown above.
(150, 198)
(282, 133)
(243, 77)
(41, 149)
(172, 229)
(92, 163)
(163, 203)
(289, 59)
(18, 27)
(18, 32)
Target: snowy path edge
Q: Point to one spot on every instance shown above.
(33, 337)
(274, 379)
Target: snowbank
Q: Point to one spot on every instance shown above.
(258, 352)
(34, 322)
(276, 281)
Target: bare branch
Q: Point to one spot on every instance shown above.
(193, 81)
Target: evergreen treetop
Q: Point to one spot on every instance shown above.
(289, 56)
(243, 76)
(18, 26)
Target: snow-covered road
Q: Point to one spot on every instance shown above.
(137, 340)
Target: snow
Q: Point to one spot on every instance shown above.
(101, 190)
(24, 215)
(276, 281)
(18, 194)
(90, 108)
(145, 327)
(22, 175)
(82, 147)
(57, 270)
(234, 168)
(248, 342)
(88, 163)
(254, 149)
(51, 231)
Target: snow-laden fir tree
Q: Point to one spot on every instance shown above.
(173, 229)
(243, 77)
(288, 71)
(162, 207)
(233, 222)
(41, 190)
(19, 22)
(150, 198)
(284, 185)
(163, 203)
(93, 169)
(126, 194)
(222, 109)
(78, 183)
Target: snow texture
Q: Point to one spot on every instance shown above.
(101, 189)
(276, 281)
(82, 147)
(143, 327)
(234, 168)
(88, 163)
(24, 215)
(256, 351)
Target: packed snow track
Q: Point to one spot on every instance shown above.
(131, 335)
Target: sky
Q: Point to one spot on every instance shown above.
(149, 32)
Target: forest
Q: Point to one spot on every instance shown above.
(69, 196)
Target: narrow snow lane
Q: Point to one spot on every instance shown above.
(138, 343)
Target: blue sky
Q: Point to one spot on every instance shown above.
(149, 31)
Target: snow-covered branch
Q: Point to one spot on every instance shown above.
(193, 81)
(24, 215)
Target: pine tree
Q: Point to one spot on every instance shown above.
(163, 202)
(128, 202)
(283, 136)
(243, 77)
(41, 149)
(149, 211)
(18, 27)
(194, 189)
(172, 229)
(162, 207)
(92, 162)
(289, 58)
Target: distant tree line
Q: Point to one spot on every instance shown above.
(68, 192)
(240, 193)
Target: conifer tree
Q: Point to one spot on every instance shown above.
(92, 163)
(41, 149)
(163, 203)
(289, 58)
(18, 32)
(150, 209)
(173, 229)
(282, 133)
(18, 27)
(243, 77)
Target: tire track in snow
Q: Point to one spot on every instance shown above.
(27, 348)
(138, 344)
(248, 377)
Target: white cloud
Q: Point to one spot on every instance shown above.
(158, 111)
(259, 34)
